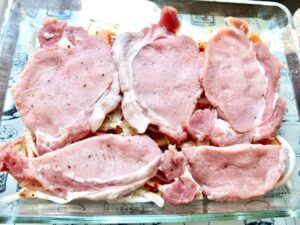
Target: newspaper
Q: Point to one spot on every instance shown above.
(201, 28)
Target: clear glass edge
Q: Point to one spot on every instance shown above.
(267, 3)
(3, 28)
(112, 219)
(131, 219)
(5, 18)
(4, 22)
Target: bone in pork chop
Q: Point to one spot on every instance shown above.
(68, 86)
(98, 168)
(159, 76)
(237, 172)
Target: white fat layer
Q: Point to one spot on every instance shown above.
(133, 113)
(106, 193)
(30, 144)
(138, 196)
(275, 100)
(145, 173)
(287, 161)
(259, 117)
(216, 195)
(257, 129)
(260, 114)
(64, 43)
(256, 132)
(222, 125)
(48, 35)
(106, 104)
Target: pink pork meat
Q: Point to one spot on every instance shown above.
(237, 172)
(241, 81)
(159, 76)
(233, 79)
(98, 168)
(183, 188)
(68, 86)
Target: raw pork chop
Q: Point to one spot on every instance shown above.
(101, 167)
(237, 172)
(159, 76)
(68, 86)
(241, 80)
(233, 79)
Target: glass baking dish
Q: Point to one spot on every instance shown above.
(271, 20)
